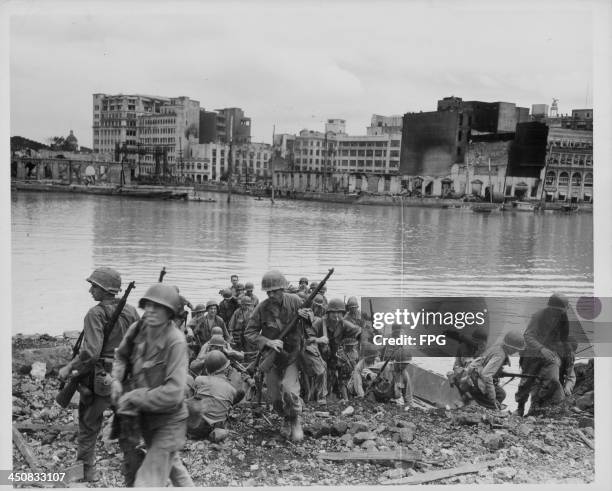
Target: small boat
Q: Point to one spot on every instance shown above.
(570, 208)
(523, 206)
(481, 210)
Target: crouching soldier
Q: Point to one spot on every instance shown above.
(480, 380)
(400, 377)
(544, 337)
(214, 396)
(363, 375)
(216, 343)
(153, 358)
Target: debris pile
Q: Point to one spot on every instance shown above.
(359, 442)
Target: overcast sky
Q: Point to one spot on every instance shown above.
(295, 66)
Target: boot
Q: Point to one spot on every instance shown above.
(285, 430)
(520, 409)
(90, 474)
(297, 434)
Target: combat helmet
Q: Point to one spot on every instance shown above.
(106, 278)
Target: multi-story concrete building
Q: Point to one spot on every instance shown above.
(115, 120)
(284, 145)
(385, 125)
(149, 130)
(205, 162)
(172, 129)
(252, 161)
(216, 126)
(569, 166)
(338, 152)
(431, 142)
(337, 126)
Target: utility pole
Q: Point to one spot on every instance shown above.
(230, 160)
(272, 160)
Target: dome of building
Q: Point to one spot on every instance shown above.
(71, 142)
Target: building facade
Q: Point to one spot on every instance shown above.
(152, 132)
(569, 166)
(431, 142)
(380, 125)
(205, 162)
(252, 162)
(339, 152)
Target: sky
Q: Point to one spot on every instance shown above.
(293, 65)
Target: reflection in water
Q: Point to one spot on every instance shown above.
(375, 250)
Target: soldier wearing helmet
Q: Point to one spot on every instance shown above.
(239, 321)
(485, 371)
(303, 285)
(337, 341)
(353, 315)
(545, 337)
(95, 359)
(400, 377)
(203, 328)
(215, 343)
(214, 397)
(228, 305)
(248, 291)
(153, 356)
(265, 324)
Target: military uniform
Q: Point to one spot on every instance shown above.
(237, 325)
(282, 380)
(158, 379)
(340, 354)
(208, 409)
(100, 353)
(204, 325)
(547, 330)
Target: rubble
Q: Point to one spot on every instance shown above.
(527, 450)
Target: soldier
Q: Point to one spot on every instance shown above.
(266, 322)
(340, 350)
(481, 378)
(248, 291)
(239, 291)
(95, 360)
(363, 375)
(318, 306)
(303, 285)
(353, 315)
(153, 355)
(238, 323)
(196, 314)
(228, 305)
(545, 337)
(214, 397)
(216, 343)
(203, 329)
(400, 378)
(181, 313)
(232, 287)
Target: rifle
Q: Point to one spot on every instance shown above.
(268, 355)
(162, 273)
(518, 375)
(375, 382)
(69, 387)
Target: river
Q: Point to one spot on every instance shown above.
(57, 239)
